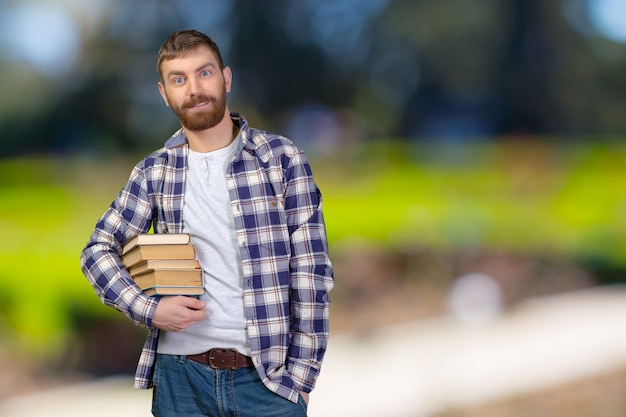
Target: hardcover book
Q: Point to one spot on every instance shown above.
(146, 265)
(173, 290)
(169, 277)
(157, 252)
(156, 239)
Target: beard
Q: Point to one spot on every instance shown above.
(197, 120)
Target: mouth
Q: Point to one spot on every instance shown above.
(198, 104)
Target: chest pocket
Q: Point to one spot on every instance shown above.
(259, 190)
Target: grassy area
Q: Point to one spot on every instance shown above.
(48, 208)
(522, 196)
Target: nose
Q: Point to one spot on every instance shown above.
(193, 86)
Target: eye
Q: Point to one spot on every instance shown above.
(178, 80)
(205, 73)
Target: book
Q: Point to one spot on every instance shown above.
(153, 252)
(169, 277)
(163, 264)
(156, 239)
(146, 265)
(173, 290)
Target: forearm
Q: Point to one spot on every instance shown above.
(110, 280)
(311, 274)
(101, 262)
(312, 280)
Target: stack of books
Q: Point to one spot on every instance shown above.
(163, 264)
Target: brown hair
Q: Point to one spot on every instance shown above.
(178, 43)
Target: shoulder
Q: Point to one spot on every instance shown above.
(265, 144)
(163, 158)
(154, 158)
(270, 144)
(170, 154)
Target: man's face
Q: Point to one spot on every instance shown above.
(195, 88)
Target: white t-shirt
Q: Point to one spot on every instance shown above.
(208, 218)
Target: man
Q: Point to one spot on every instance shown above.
(254, 344)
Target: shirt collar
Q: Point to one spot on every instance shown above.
(179, 138)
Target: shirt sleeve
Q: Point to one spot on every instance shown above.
(311, 274)
(130, 214)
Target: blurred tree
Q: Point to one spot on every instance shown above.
(455, 52)
(529, 62)
(276, 74)
(442, 69)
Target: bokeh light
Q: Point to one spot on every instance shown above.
(609, 18)
(43, 36)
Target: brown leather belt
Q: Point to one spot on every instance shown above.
(223, 359)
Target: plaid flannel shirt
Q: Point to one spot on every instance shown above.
(281, 235)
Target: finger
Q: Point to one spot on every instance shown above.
(192, 303)
(197, 315)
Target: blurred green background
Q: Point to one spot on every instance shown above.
(436, 129)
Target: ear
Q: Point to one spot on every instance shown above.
(163, 94)
(228, 78)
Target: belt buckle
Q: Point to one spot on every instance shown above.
(235, 359)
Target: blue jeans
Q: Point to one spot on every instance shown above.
(184, 388)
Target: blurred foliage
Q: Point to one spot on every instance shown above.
(526, 196)
(509, 114)
(427, 70)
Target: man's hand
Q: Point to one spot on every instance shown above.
(175, 314)
(305, 395)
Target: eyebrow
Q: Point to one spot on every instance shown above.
(201, 67)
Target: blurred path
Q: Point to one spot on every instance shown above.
(419, 368)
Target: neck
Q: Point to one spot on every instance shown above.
(217, 137)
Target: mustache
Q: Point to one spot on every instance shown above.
(197, 100)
